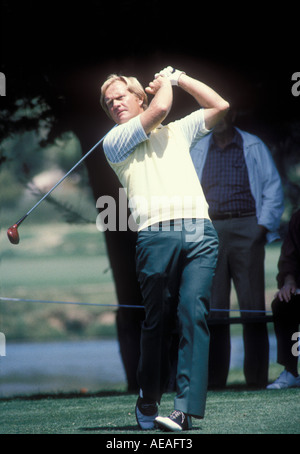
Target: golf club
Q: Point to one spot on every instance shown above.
(12, 232)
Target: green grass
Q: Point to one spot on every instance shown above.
(232, 411)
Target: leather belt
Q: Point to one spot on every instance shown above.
(170, 224)
(231, 215)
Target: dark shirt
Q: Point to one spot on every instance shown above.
(289, 260)
(225, 179)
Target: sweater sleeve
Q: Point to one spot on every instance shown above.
(193, 126)
(123, 140)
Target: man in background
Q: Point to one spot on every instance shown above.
(286, 307)
(243, 190)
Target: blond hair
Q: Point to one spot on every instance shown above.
(133, 85)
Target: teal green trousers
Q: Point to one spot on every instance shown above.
(175, 267)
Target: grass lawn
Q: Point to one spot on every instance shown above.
(232, 411)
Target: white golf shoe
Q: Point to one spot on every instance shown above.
(285, 380)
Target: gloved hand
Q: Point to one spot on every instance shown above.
(171, 73)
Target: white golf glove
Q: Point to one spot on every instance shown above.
(171, 73)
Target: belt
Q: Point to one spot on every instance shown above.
(169, 224)
(231, 215)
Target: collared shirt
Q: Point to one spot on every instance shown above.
(264, 179)
(225, 180)
(157, 170)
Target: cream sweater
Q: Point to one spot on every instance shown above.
(157, 171)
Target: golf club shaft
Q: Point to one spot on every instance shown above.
(62, 179)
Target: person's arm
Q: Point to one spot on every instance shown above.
(262, 168)
(160, 105)
(215, 107)
(288, 290)
(122, 140)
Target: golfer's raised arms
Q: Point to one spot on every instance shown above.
(160, 105)
(215, 107)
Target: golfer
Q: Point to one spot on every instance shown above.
(176, 249)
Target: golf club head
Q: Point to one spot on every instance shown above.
(13, 234)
